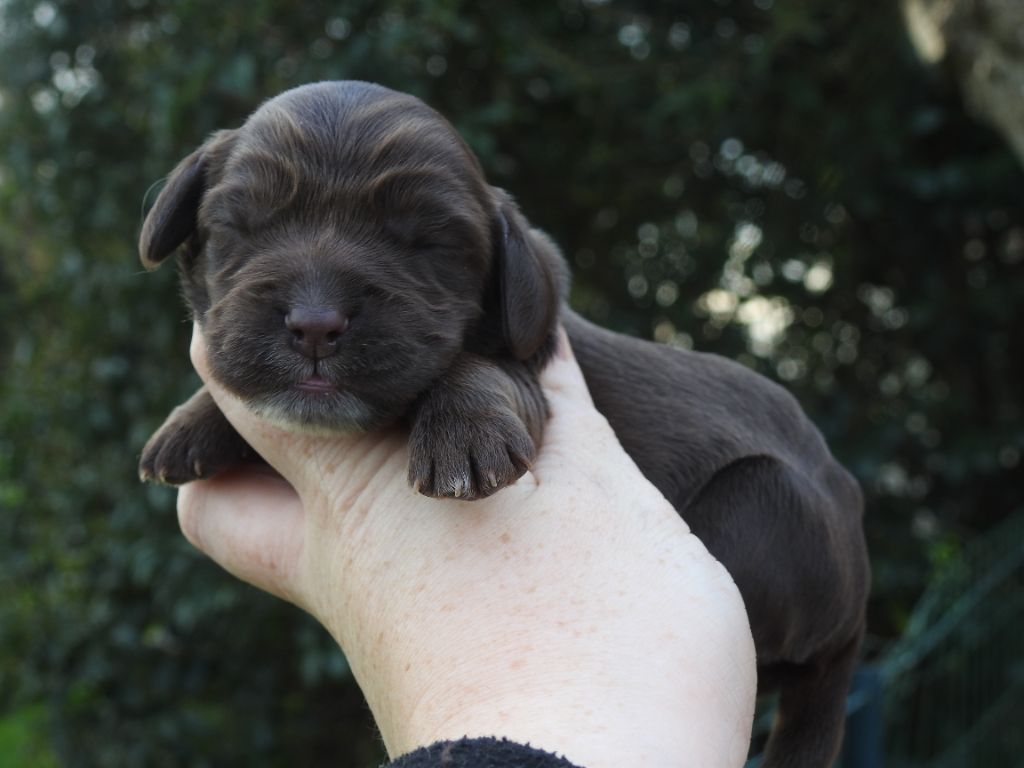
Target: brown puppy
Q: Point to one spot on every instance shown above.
(350, 266)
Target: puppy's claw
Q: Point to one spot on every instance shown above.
(492, 480)
(520, 462)
(462, 487)
(421, 478)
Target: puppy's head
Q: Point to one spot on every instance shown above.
(341, 248)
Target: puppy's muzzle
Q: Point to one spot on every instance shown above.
(315, 331)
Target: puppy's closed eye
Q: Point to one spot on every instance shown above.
(418, 217)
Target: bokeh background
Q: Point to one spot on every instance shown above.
(826, 190)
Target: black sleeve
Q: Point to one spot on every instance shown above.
(479, 753)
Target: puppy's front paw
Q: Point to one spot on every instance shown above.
(170, 456)
(468, 458)
(195, 442)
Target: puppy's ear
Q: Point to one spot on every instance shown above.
(172, 220)
(531, 279)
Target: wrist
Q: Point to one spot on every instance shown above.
(590, 723)
(602, 682)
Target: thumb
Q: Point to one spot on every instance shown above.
(562, 378)
(574, 420)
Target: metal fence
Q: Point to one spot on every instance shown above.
(950, 692)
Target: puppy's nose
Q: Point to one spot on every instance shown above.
(316, 330)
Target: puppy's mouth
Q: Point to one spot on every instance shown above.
(316, 385)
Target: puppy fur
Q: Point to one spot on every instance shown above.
(350, 267)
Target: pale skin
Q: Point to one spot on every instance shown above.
(574, 610)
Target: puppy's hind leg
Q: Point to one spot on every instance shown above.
(808, 727)
(797, 556)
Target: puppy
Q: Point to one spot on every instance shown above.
(350, 266)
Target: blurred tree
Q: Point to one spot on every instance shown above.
(984, 41)
(782, 183)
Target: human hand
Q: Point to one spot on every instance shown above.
(574, 610)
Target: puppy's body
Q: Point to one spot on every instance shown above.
(350, 266)
(756, 483)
